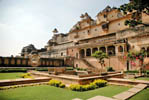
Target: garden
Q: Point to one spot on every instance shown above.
(46, 92)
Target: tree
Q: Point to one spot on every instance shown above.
(101, 57)
(137, 55)
(136, 8)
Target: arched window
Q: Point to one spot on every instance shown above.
(120, 49)
(111, 50)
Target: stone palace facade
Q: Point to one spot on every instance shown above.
(107, 33)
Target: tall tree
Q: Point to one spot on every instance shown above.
(136, 7)
(101, 57)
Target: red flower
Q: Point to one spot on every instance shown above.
(137, 58)
(124, 57)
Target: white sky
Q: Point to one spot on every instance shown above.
(24, 22)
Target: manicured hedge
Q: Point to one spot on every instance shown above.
(95, 84)
(42, 69)
(56, 83)
(110, 69)
(13, 70)
(26, 75)
(132, 71)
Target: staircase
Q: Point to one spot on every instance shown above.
(87, 63)
(90, 66)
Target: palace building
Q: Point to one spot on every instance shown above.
(107, 32)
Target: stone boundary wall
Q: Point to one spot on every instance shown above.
(25, 62)
(23, 81)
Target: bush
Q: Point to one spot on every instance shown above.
(26, 75)
(42, 69)
(69, 68)
(110, 69)
(6, 70)
(81, 69)
(76, 87)
(56, 83)
(62, 85)
(105, 73)
(91, 86)
(132, 71)
(100, 83)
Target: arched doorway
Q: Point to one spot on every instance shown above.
(94, 50)
(88, 52)
(103, 49)
(120, 49)
(143, 49)
(111, 50)
(82, 53)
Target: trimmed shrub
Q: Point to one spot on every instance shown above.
(62, 85)
(56, 83)
(100, 83)
(42, 69)
(132, 71)
(6, 70)
(81, 69)
(110, 69)
(91, 86)
(69, 68)
(105, 73)
(26, 75)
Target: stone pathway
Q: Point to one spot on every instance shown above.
(131, 92)
(101, 98)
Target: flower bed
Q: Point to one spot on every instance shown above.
(56, 83)
(95, 84)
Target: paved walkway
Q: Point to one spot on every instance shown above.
(131, 92)
(101, 98)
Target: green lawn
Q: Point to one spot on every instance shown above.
(143, 95)
(143, 78)
(4, 76)
(46, 92)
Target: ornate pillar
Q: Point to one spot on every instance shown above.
(91, 51)
(106, 47)
(116, 50)
(98, 48)
(123, 49)
(84, 53)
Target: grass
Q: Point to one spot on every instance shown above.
(15, 75)
(143, 78)
(143, 95)
(46, 92)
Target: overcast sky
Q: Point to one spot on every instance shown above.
(24, 22)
